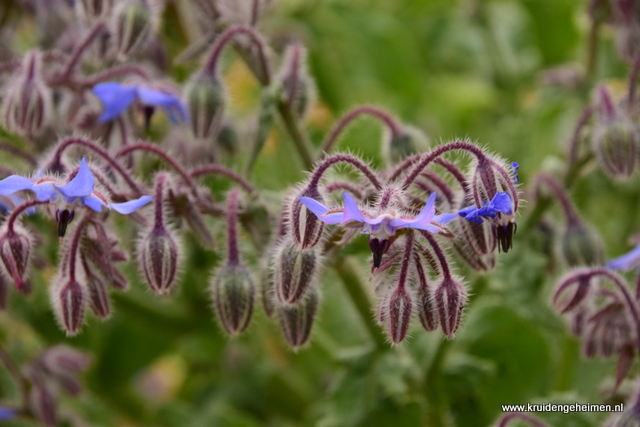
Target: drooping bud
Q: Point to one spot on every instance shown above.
(43, 404)
(15, 249)
(91, 10)
(295, 269)
(582, 245)
(305, 227)
(582, 282)
(397, 146)
(297, 320)
(159, 251)
(132, 22)
(98, 297)
(267, 286)
(69, 299)
(400, 308)
(427, 311)
(450, 299)
(233, 295)
(28, 104)
(205, 98)
(615, 138)
(64, 360)
(297, 90)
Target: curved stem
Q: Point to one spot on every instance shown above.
(101, 151)
(233, 254)
(442, 259)
(19, 209)
(385, 117)
(343, 158)
(211, 63)
(559, 192)
(345, 186)
(110, 74)
(75, 245)
(18, 152)
(574, 142)
(221, 170)
(97, 29)
(406, 260)
(160, 153)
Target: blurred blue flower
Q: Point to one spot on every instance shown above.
(626, 262)
(6, 413)
(116, 98)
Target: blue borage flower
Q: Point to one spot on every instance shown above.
(626, 262)
(79, 191)
(7, 413)
(381, 226)
(499, 211)
(117, 97)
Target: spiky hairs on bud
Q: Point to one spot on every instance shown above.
(295, 270)
(297, 88)
(450, 299)
(90, 11)
(28, 105)
(132, 21)
(304, 226)
(233, 292)
(69, 299)
(15, 251)
(159, 250)
(297, 320)
(205, 98)
(43, 404)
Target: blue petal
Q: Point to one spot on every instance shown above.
(501, 202)
(45, 191)
(470, 214)
(115, 99)
(170, 103)
(422, 220)
(130, 206)
(6, 413)
(93, 203)
(351, 210)
(81, 185)
(320, 211)
(444, 219)
(14, 183)
(627, 261)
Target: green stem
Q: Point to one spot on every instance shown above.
(355, 287)
(433, 387)
(300, 139)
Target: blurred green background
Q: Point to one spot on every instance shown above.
(455, 69)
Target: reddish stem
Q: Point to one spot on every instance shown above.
(75, 245)
(343, 158)
(221, 170)
(406, 260)
(559, 192)
(442, 259)
(574, 142)
(19, 209)
(233, 254)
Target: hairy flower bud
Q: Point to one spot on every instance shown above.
(233, 293)
(304, 226)
(159, 254)
(616, 138)
(297, 320)
(450, 299)
(69, 299)
(62, 359)
(15, 248)
(581, 245)
(427, 311)
(132, 22)
(397, 146)
(294, 271)
(92, 10)
(205, 98)
(98, 297)
(43, 404)
(582, 282)
(476, 244)
(267, 285)
(399, 309)
(296, 87)
(28, 103)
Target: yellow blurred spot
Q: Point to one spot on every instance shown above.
(271, 144)
(243, 89)
(530, 98)
(320, 116)
(161, 381)
(617, 88)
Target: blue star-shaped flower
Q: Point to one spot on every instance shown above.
(382, 226)
(116, 98)
(78, 192)
(499, 211)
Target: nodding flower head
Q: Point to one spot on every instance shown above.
(117, 97)
(78, 192)
(500, 212)
(380, 224)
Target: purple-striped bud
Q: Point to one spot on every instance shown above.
(617, 145)
(205, 98)
(297, 320)
(295, 269)
(399, 308)
(61, 359)
(267, 286)
(304, 226)
(28, 103)
(476, 244)
(91, 10)
(43, 404)
(233, 295)
(450, 299)
(98, 297)
(159, 254)
(582, 283)
(492, 176)
(427, 311)
(582, 245)
(297, 90)
(69, 299)
(15, 248)
(132, 22)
